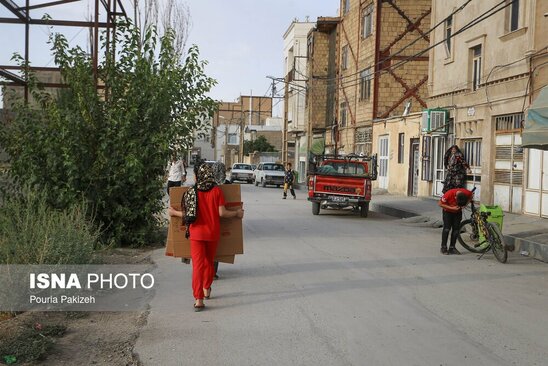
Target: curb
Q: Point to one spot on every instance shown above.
(391, 211)
(528, 247)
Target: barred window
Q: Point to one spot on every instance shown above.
(365, 84)
(343, 114)
(344, 57)
(508, 122)
(367, 21)
(472, 152)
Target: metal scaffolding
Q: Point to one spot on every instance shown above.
(113, 8)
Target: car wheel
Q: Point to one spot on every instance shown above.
(364, 209)
(250, 181)
(263, 182)
(315, 208)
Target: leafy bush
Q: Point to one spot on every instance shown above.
(111, 147)
(31, 232)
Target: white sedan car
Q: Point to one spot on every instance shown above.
(269, 173)
(241, 172)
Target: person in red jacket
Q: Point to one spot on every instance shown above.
(452, 203)
(203, 205)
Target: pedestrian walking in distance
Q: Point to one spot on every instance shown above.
(452, 203)
(289, 180)
(202, 206)
(175, 172)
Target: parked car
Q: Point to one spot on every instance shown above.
(269, 173)
(241, 172)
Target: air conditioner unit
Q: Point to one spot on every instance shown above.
(434, 121)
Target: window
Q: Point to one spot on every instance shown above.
(344, 57)
(426, 171)
(343, 114)
(346, 6)
(310, 45)
(232, 139)
(401, 150)
(508, 122)
(472, 152)
(367, 21)
(512, 15)
(476, 67)
(448, 34)
(365, 84)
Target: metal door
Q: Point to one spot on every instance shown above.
(508, 182)
(438, 145)
(536, 193)
(414, 162)
(383, 162)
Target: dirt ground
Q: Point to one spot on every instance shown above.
(86, 338)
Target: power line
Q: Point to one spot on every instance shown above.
(469, 25)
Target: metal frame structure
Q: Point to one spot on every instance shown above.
(114, 9)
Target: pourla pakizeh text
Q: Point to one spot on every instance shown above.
(63, 299)
(91, 281)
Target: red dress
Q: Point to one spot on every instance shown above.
(204, 239)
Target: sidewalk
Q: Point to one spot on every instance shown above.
(528, 233)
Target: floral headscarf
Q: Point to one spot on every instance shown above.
(205, 181)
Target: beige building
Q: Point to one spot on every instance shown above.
(484, 76)
(295, 64)
(377, 76)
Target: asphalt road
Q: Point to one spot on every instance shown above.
(337, 289)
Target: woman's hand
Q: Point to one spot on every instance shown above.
(173, 212)
(240, 214)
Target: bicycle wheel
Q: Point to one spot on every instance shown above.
(497, 242)
(469, 237)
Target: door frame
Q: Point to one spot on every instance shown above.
(385, 179)
(411, 176)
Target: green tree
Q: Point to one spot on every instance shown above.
(110, 148)
(260, 144)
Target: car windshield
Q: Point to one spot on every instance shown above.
(276, 167)
(242, 166)
(342, 168)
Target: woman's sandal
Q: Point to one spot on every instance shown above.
(198, 308)
(208, 293)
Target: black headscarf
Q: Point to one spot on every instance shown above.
(448, 153)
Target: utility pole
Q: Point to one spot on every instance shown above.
(284, 140)
(241, 138)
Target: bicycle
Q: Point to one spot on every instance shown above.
(478, 235)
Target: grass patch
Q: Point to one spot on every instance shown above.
(31, 232)
(29, 342)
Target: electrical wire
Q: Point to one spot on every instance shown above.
(492, 11)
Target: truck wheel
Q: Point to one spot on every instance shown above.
(315, 208)
(364, 209)
(263, 182)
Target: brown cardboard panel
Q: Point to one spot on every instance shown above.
(231, 241)
(223, 259)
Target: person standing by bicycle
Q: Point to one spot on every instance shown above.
(452, 203)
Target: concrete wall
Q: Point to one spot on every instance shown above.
(398, 172)
(504, 79)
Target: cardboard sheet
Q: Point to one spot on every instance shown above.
(231, 241)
